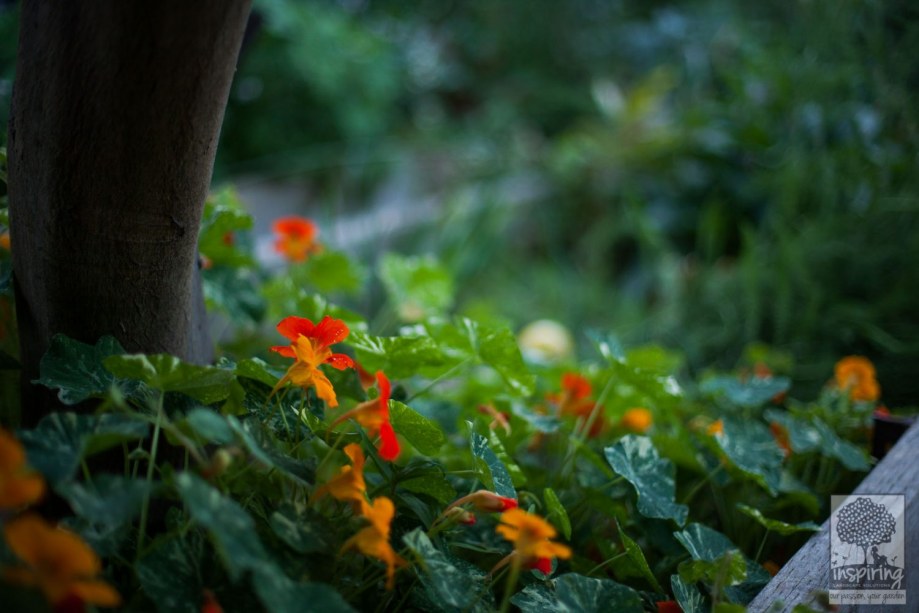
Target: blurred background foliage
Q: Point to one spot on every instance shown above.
(703, 174)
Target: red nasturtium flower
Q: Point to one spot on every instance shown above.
(210, 604)
(855, 375)
(18, 485)
(531, 536)
(348, 485)
(58, 562)
(310, 347)
(373, 415)
(373, 540)
(296, 238)
(668, 606)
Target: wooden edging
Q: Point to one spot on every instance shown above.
(807, 575)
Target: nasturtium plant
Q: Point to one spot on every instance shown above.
(345, 461)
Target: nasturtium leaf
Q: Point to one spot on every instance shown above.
(654, 359)
(398, 356)
(490, 469)
(518, 477)
(230, 527)
(170, 575)
(750, 447)
(76, 369)
(329, 272)
(498, 348)
(706, 544)
(297, 531)
(167, 373)
(61, 440)
(747, 394)
(774, 525)
(730, 568)
(418, 287)
(607, 345)
(556, 513)
(454, 584)
(637, 558)
(235, 292)
(210, 426)
(281, 594)
(112, 500)
(421, 433)
(285, 297)
(688, 596)
(803, 437)
(435, 486)
(224, 214)
(638, 461)
(832, 445)
(546, 424)
(575, 593)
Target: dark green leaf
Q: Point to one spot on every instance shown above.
(750, 393)
(167, 373)
(61, 440)
(235, 292)
(435, 486)
(112, 500)
(224, 214)
(422, 433)
(230, 527)
(398, 356)
(728, 569)
(455, 585)
(518, 477)
(636, 459)
(210, 426)
(76, 368)
(295, 529)
(556, 513)
(280, 594)
(255, 368)
(637, 557)
(169, 574)
(704, 543)
(490, 469)
(688, 596)
(579, 594)
(775, 525)
(750, 447)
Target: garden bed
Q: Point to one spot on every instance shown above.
(805, 578)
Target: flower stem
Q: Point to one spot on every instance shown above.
(510, 584)
(151, 466)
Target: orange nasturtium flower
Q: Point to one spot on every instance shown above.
(296, 238)
(668, 606)
(574, 400)
(530, 535)
(780, 434)
(348, 485)
(373, 540)
(856, 375)
(310, 347)
(18, 485)
(58, 562)
(374, 416)
(637, 419)
(716, 427)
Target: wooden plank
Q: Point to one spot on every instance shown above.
(807, 574)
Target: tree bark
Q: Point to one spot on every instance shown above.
(115, 118)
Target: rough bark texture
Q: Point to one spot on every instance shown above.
(116, 113)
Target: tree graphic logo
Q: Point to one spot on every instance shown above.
(867, 550)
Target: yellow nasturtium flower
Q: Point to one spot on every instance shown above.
(637, 419)
(855, 375)
(58, 562)
(373, 540)
(18, 485)
(348, 485)
(531, 536)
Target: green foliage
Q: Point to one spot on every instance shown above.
(638, 461)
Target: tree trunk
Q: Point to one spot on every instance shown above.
(115, 117)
